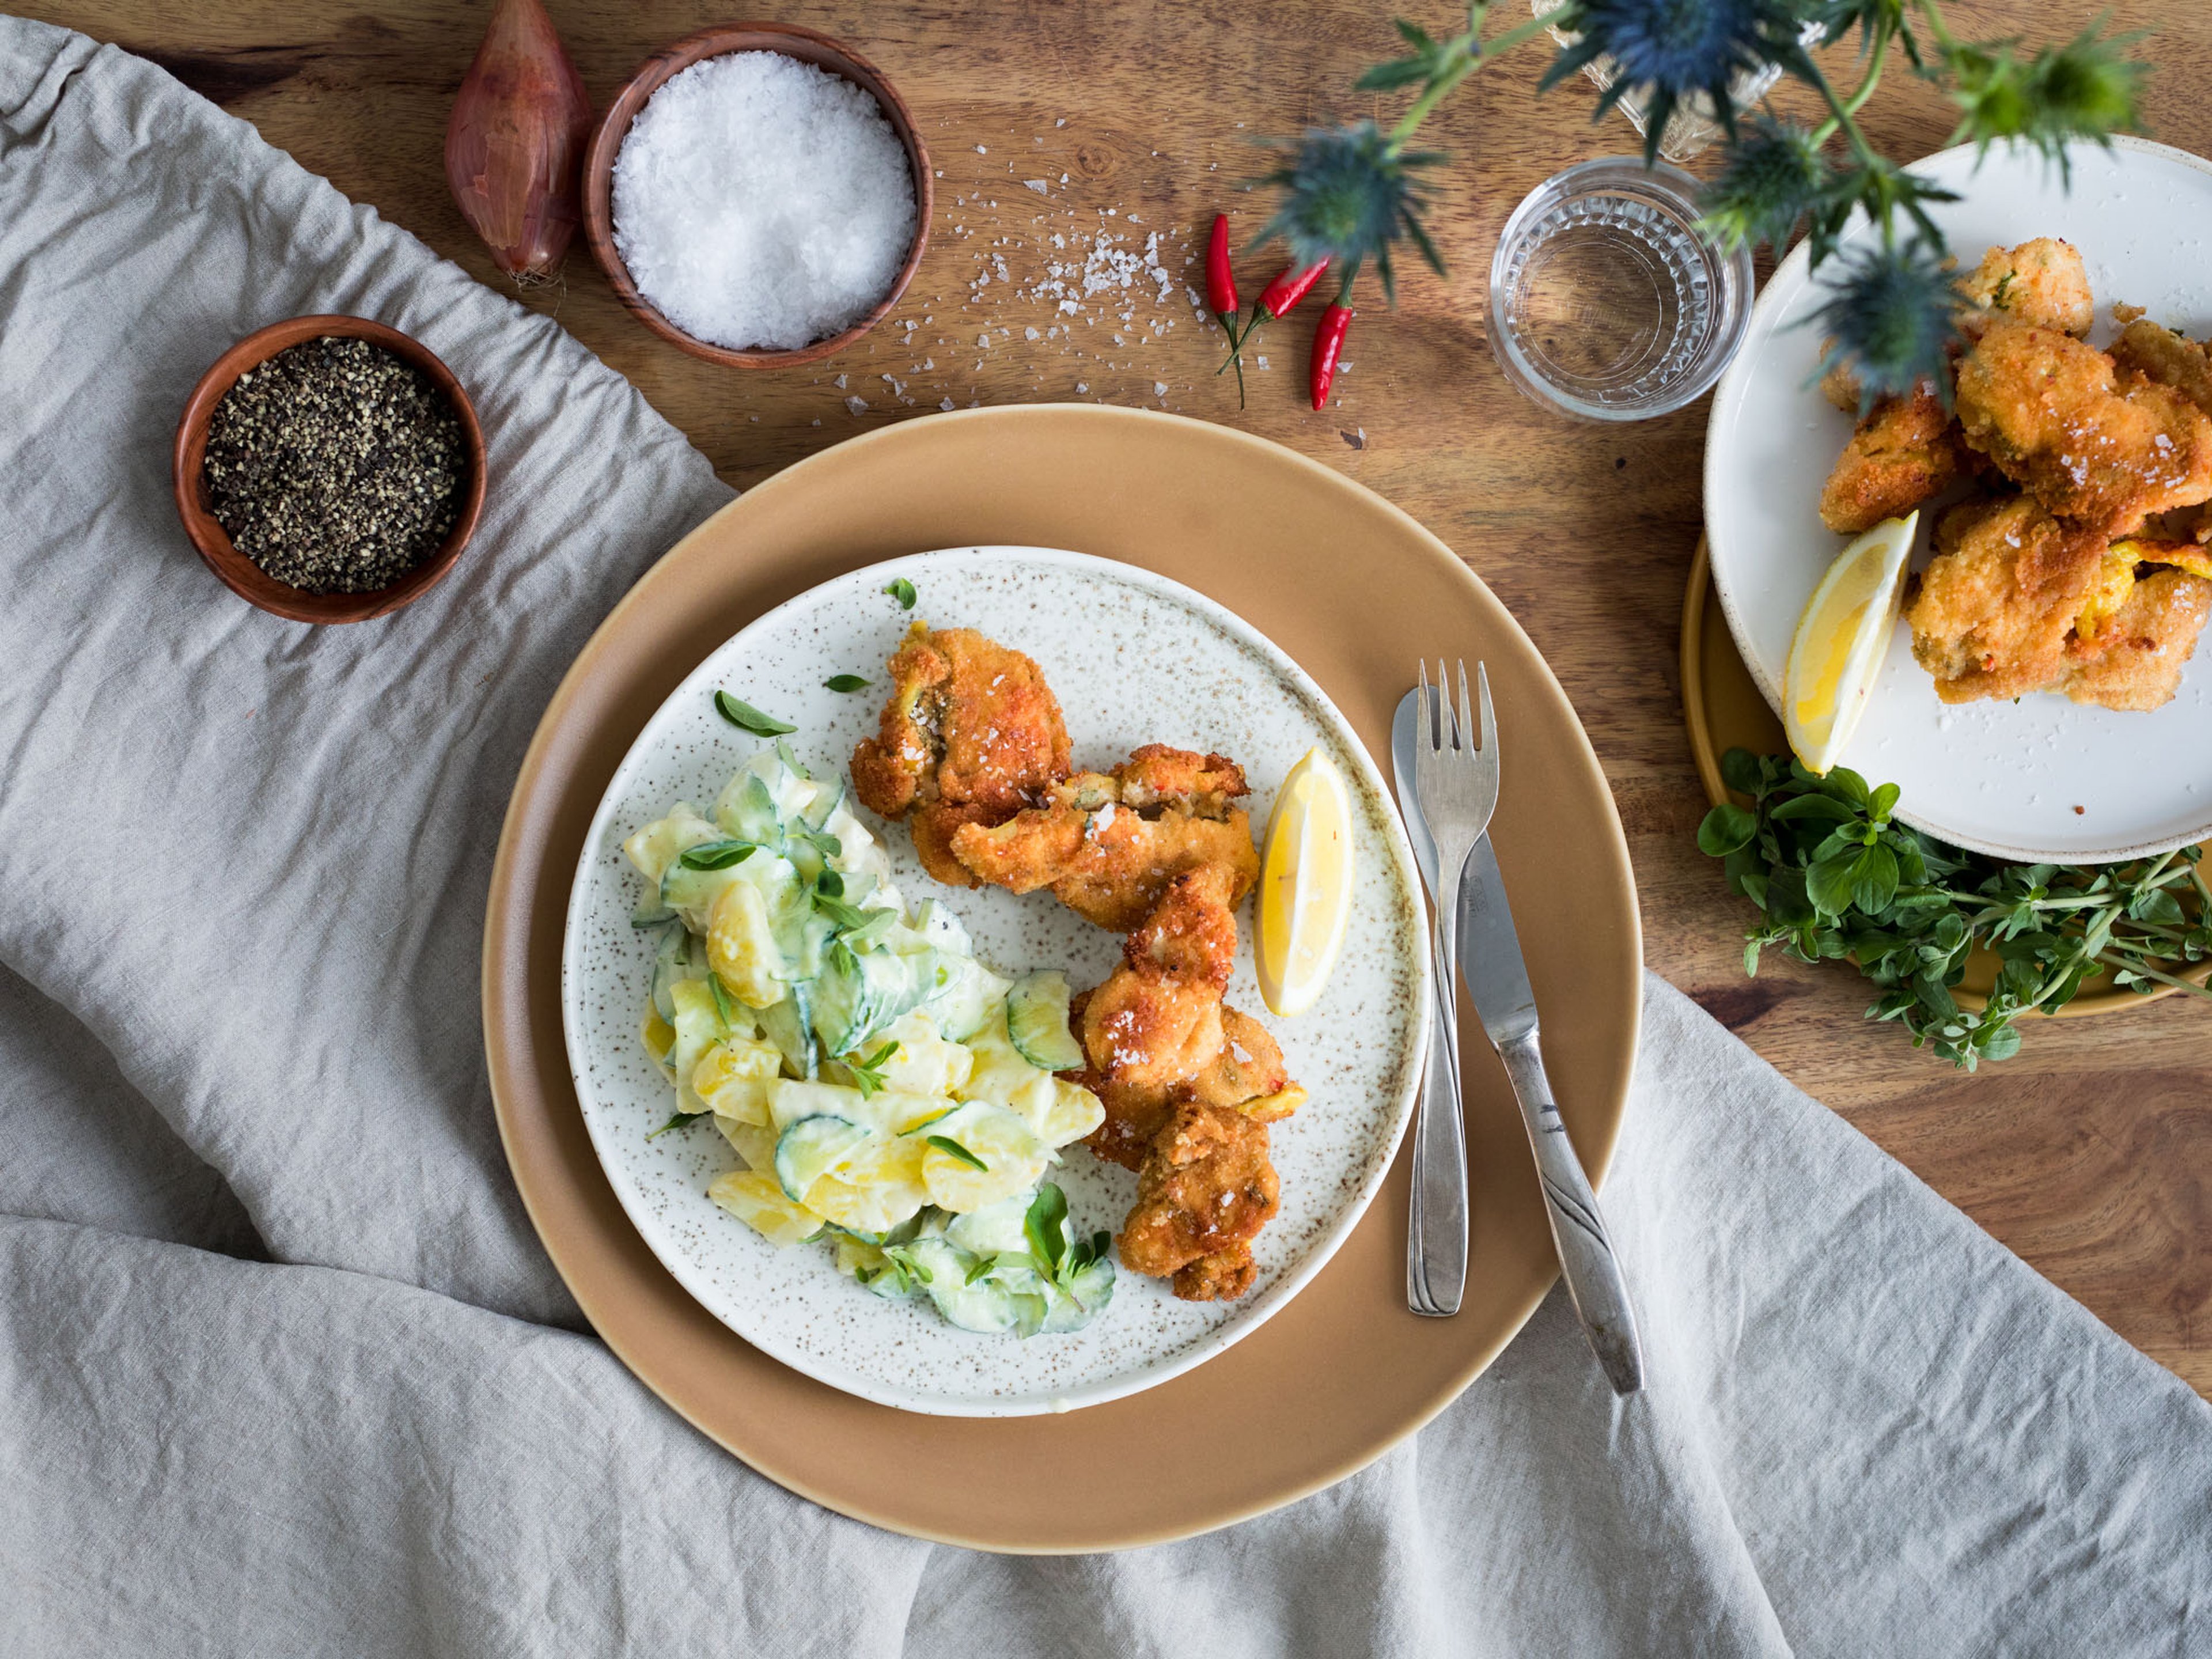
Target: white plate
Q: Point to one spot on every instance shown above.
(2042, 777)
(1133, 658)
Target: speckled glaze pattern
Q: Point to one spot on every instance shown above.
(1133, 658)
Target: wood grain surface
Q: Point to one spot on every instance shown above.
(1054, 123)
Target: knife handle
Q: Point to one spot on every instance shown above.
(1586, 1259)
(1435, 1232)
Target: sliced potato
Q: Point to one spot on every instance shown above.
(754, 1197)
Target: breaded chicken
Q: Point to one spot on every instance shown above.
(1156, 1022)
(2041, 282)
(2092, 443)
(1108, 844)
(1188, 1086)
(971, 734)
(1206, 1188)
(1991, 613)
(2158, 354)
(1905, 450)
(2133, 660)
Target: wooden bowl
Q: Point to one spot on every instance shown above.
(808, 48)
(240, 574)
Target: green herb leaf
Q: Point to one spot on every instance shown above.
(1045, 1225)
(946, 1144)
(725, 1008)
(868, 1075)
(901, 590)
(783, 753)
(1835, 876)
(679, 1120)
(742, 714)
(846, 683)
(1726, 828)
(983, 1265)
(830, 882)
(716, 854)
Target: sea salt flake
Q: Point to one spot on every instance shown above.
(1040, 185)
(802, 241)
(856, 404)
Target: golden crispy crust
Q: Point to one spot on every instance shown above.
(1206, 1188)
(1990, 614)
(969, 724)
(2134, 662)
(1906, 450)
(1109, 844)
(2092, 443)
(2041, 282)
(2158, 354)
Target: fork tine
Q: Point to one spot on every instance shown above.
(1425, 724)
(1466, 714)
(1489, 716)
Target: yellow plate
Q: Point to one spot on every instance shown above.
(1724, 711)
(1352, 589)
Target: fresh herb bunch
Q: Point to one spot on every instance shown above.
(1835, 875)
(1351, 193)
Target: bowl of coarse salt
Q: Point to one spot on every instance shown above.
(757, 195)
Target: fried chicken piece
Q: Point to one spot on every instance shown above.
(1993, 609)
(1108, 844)
(2092, 443)
(1155, 1024)
(1206, 1188)
(1190, 1087)
(2158, 354)
(2133, 661)
(970, 734)
(2041, 282)
(1905, 450)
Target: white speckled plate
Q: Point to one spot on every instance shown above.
(1133, 658)
(2042, 778)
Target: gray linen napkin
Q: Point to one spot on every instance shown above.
(282, 1370)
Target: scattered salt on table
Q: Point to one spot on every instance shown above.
(759, 201)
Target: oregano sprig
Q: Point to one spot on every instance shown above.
(1835, 875)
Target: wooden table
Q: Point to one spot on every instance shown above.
(2090, 1154)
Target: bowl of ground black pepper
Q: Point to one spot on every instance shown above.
(328, 469)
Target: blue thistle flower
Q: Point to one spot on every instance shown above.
(1671, 50)
(1348, 193)
(1892, 315)
(1774, 175)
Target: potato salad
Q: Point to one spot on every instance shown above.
(885, 1091)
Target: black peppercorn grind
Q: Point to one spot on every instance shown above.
(336, 466)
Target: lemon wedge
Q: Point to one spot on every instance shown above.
(1305, 885)
(1842, 636)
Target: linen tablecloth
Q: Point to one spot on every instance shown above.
(283, 1370)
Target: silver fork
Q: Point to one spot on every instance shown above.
(1455, 780)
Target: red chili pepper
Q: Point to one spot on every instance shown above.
(1329, 341)
(1282, 295)
(1220, 280)
(1221, 293)
(1276, 301)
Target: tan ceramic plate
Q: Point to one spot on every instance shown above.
(1723, 705)
(1355, 592)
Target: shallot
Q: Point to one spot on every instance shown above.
(515, 146)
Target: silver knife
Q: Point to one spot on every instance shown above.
(1498, 983)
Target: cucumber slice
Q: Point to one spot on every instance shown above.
(986, 1306)
(1036, 1023)
(860, 994)
(788, 1024)
(812, 1148)
(673, 960)
(747, 810)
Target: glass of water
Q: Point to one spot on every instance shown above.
(1606, 302)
